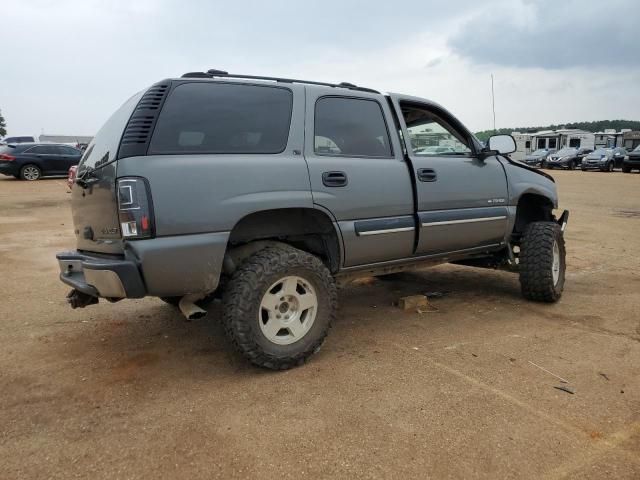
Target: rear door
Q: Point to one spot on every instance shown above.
(46, 157)
(462, 200)
(359, 175)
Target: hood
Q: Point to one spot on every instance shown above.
(527, 167)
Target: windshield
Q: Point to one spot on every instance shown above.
(540, 151)
(637, 149)
(567, 151)
(600, 151)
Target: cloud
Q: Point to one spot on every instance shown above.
(69, 64)
(552, 34)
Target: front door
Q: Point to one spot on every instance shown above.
(359, 175)
(462, 200)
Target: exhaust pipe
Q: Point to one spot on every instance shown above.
(189, 309)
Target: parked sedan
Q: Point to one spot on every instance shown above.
(619, 154)
(564, 158)
(632, 160)
(538, 157)
(31, 161)
(602, 159)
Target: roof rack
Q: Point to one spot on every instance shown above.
(222, 74)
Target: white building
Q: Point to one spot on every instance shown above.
(610, 138)
(523, 145)
(72, 140)
(564, 137)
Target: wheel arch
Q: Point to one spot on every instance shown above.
(533, 206)
(308, 229)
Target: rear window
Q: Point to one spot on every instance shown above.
(351, 127)
(44, 150)
(223, 118)
(7, 149)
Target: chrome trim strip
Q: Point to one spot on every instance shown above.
(390, 230)
(467, 220)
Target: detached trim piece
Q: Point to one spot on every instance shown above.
(468, 220)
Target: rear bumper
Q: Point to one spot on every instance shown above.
(8, 168)
(160, 267)
(101, 276)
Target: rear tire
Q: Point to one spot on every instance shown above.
(626, 169)
(572, 165)
(30, 173)
(542, 262)
(269, 301)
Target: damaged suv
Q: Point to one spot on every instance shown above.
(268, 191)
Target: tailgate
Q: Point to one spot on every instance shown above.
(95, 208)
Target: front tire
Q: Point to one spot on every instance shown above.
(278, 307)
(30, 173)
(626, 169)
(542, 262)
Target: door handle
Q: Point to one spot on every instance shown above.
(334, 179)
(427, 175)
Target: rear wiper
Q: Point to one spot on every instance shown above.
(86, 178)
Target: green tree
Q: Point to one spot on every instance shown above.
(3, 126)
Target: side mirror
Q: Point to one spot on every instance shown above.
(503, 144)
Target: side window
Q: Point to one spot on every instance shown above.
(69, 151)
(40, 150)
(431, 135)
(223, 118)
(353, 127)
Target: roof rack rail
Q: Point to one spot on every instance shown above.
(222, 74)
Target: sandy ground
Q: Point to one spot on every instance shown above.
(130, 390)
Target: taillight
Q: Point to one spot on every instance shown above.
(134, 208)
(6, 156)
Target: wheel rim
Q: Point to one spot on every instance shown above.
(555, 267)
(288, 310)
(611, 167)
(31, 173)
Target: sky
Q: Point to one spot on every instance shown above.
(68, 64)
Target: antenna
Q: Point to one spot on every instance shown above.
(493, 104)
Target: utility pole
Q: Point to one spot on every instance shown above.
(493, 104)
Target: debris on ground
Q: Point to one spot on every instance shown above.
(412, 302)
(435, 294)
(564, 388)
(604, 375)
(550, 373)
(429, 308)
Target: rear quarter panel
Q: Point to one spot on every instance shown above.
(203, 193)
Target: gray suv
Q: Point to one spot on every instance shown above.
(269, 191)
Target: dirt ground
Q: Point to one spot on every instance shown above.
(130, 390)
